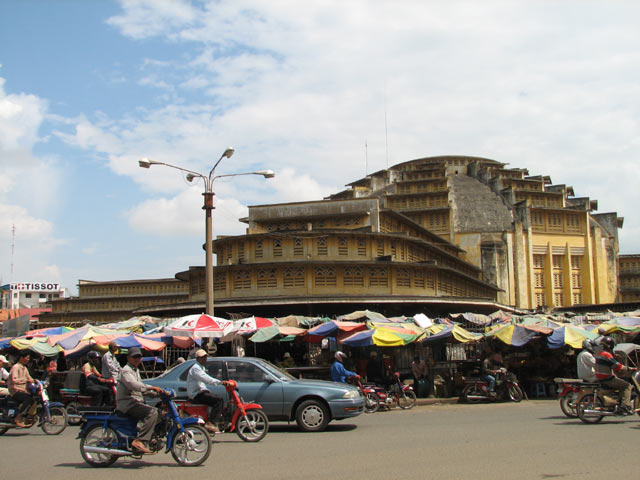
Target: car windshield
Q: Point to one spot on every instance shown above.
(275, 371)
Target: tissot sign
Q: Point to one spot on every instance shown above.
(36, 286)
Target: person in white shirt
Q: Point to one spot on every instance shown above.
(197, 382)
(110, 366)
(586, 362)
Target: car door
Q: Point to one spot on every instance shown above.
(215, 369)
(257, 385)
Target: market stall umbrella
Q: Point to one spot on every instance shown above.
(199, 326)
(380, 337)
(251, 324)
(517, 335)
(362, 314)
(131, 340)
(35, 344)
(273, 332)
(622, 325)
(69, 340)
(455, 332)
(331, 327)
(570, 335)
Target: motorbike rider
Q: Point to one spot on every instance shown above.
(197, 381)
(338, 372)
(94, 383)
(19, 378)
(586, 362)
(110, 366)
(491, 366)
(130, 400)
(607, 367)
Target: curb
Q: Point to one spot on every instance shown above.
(437, 401)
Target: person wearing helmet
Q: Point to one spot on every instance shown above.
(93, 381)
(607, 367)
(338, 372)
(586, 362)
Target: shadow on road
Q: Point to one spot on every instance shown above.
(121, 464)
(293, 428)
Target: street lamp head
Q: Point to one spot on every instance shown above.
(145, 162)
(228, 152)
(190, 177)
(266, 173)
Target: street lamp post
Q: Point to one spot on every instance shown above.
(208, 207)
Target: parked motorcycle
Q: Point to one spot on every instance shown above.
(568, 391)
(507, 387)
(246, 419)
(596, 401)
(396, 394)
(105, 437)
(75, 401)
(50, 416)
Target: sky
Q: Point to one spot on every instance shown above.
(321, 92)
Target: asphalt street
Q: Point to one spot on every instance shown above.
(529, 440)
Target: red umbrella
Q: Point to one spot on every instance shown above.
(198, 326)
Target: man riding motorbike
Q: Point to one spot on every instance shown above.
(197, 381)
(94, 383)
(607, 367)
(130, 400)
(19, 378)
(338, 372)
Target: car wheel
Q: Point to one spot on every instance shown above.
(312, 416)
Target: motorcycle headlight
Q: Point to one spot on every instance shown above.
(351, 394)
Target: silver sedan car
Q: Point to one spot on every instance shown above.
(311, 403)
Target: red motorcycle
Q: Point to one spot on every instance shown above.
(395, 395)
(246, 419)
(371, 398)
(568, 390)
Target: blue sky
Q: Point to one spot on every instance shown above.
(89, 87)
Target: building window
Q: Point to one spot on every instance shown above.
(557, 261)
(240, 250)
(267, 278)
(557, 280)
(325, 277)
(538, 261)
(539, 279)
(576, 262)
(322, 246)
(418, 279)
(277, 247)
(558, 299)
(293, 277)
(555, 222)
(259, 251)
(576, 280)
(242, 279)
(380, 247)
(27, 295)
(445, 286)
(378, 277)
(540, 300)
(353, 277)
(220, 282)
(298, 248)
(577, 298)
(403, 277)
(343, 247)
(362, 247)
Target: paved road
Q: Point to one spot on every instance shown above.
(530, 440)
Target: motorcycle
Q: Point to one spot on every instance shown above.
(51, 417)
(568, 390)
(395, 395)
(105, 437)
(596, 401)
(246, 419)
(372, 400)
(476, 389)
(75, 402)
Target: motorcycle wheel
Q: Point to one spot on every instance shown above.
(473, 390)
(589, 402)
(515, 393)
(407, 400)
(97, 436)
(371, 403)
(72, 409)
(3, 430)
(254, 427)
(192, 446)
(57, 421)
(568, 405)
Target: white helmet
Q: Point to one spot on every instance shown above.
(340, 356)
